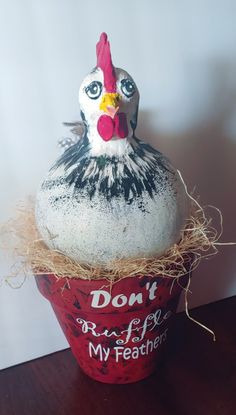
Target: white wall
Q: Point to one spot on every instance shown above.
(182, 55)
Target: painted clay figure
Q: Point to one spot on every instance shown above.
(110, 195)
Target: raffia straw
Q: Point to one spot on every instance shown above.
(186, 292)
(21, 236)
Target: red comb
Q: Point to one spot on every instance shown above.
(105, 63)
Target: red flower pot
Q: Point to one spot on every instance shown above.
(116, 332)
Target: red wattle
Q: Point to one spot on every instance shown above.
(108, 127)
(121, 127)
(105, 127)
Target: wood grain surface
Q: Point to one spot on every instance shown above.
(196, 377)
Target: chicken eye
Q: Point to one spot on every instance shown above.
(94, 90)
(127, 87)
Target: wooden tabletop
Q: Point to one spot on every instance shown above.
(196, 377)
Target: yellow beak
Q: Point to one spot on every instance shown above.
(110, 103)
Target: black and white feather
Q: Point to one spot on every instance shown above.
(78, 130)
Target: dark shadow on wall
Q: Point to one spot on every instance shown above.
(206, 157)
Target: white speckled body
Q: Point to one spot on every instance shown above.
(98, 231)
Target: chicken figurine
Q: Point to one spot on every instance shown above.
(110, 195)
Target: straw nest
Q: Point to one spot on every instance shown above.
(20, 236)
